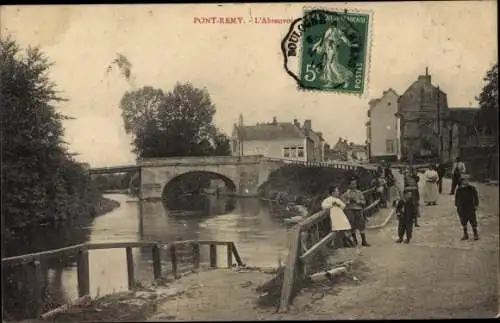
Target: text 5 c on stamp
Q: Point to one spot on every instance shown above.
(328, 50)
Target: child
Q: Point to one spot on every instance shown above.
(407, 212)
(467, 201)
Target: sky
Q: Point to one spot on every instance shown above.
(241, 65)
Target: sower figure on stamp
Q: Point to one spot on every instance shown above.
(406, 212)
(354, 210)
(457, 170)
(328, 48)
(467, 201)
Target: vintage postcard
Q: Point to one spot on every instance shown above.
(249, 161)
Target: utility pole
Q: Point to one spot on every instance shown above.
(440, 137)
(240, 136)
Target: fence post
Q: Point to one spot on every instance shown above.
(37, 290)
(229, 255)
(130, 268)
(236, 255)
(213, 256)
(173, 259)
(156, 262)
(83, 272)
(196, 256)
(290, 270)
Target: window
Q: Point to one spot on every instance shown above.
(300, 151)
(389, 146)
(286, 152)
(293, 152)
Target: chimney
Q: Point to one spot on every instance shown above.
(426, 78)
(307, 124)
(275, 120)
(240, 120)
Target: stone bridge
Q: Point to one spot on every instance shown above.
(246, 173)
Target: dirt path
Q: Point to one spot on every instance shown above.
(435, 276)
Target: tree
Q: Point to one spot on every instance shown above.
(140, 106)
(42, 180)
(487, 117)
(176, 123)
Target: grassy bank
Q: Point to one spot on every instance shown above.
(18, 281)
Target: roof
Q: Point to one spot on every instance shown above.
(358, 148)
(373, 102)
(463, 116)
(270, 131)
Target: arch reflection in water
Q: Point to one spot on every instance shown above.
(260, 238)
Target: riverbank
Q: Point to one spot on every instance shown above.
(209, 295)
(18, 281)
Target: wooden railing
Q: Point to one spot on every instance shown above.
(81, 252)
(306, 242)
(325, 164)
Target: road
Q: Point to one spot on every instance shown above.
(435, 276)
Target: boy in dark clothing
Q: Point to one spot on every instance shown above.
(411, 184)
(467, 201)
(406, 212)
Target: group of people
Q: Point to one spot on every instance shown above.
(346, 210)
(466, 198)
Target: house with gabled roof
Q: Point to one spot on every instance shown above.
(285, 140)
(382, 128)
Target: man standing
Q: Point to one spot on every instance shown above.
(411, 180)
(355, 202)
(457, 170)
(467, 201)
(441, 170)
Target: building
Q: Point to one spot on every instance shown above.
(345, 151)
(286, 140)
(422, 113)
(460, 124)
(357, 153)
(382, 131)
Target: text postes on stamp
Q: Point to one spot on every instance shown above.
(327, 50)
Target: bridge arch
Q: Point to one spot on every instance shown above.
(190, 176)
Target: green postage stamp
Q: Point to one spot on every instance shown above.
(329, 50)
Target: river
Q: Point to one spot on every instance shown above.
(258, 232)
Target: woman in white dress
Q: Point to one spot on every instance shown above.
(431, 191)
(339, 220)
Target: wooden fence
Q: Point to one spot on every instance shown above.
(306, 241)
(81, 252)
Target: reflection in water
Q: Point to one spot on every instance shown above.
(259, 237)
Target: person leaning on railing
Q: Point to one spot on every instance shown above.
(355, 203)
(338, 220)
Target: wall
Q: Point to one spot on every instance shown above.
(418, 107)
(383, 125)
(272, 148)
